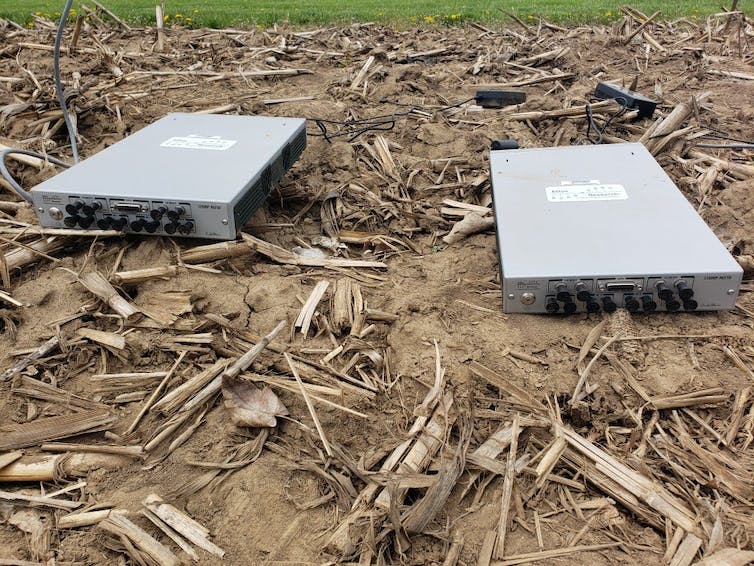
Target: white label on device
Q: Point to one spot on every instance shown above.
(214, 143)
(586, 192)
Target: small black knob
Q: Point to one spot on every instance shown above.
(152, 226)
(71, 221)
(672, 305)
(158, 212)
(137, 225)
(569, 307)
(632, 305)
(608, 305)
(690, 305)
(86, 222)
(562, 292)
(186, 227)
(663, 291)
(648, 304)
(582, 293)
(119, 223)
(684, 291)
(551, 306)
(592, 306)
(73, 207)
(171, 227)
(105, 223)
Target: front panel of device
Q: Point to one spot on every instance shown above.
(188, 218)
(645, 293)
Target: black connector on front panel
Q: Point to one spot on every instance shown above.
(498, 98)
(628, 98)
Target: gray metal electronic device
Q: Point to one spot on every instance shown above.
(195, 175)
(590, 228)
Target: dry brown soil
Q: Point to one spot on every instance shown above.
(445, 293)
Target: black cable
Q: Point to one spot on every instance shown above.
(726, 145)
(592, 124)
(383, 122)
(66, 117)
(723, 135)
(58, 85)
(13, 183)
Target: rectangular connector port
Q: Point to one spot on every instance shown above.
(126, 207)
(620, 286)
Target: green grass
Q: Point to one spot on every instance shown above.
(226, 13)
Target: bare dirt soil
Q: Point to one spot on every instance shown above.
(379, 197)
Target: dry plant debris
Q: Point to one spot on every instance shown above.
(423, 426)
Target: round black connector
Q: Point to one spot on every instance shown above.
(105, 223)
(684, 291)
(672, 305)
(648, 304)
(119, 223)
(551, 306)
(176, 213)
(186, 227)
(632, 305)
(71, 221)
(582, 293)
(592, 306)
(690, 305)
(569, 307)
(90, 209)
(171, 227)
(86, 222)
(152, 226)
(663, 291)
(562, 292)
(137, 225)
(73, 207)
(608, 305)
(158, 212)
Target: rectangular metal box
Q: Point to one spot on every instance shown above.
(191, 175)
(589, 228)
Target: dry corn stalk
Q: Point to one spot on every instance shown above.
(54, 428)
(183, 524)
(640, 486)
(122, 527)
(30, 387)
(96, 284)
(59, 466)
(281, 255)
(141, 275)
(19, 258)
